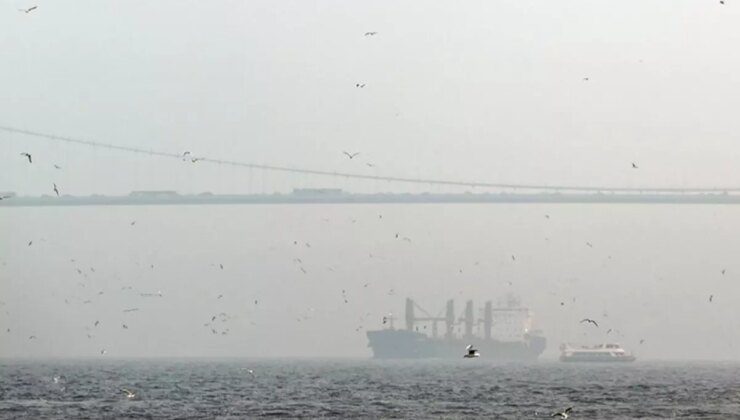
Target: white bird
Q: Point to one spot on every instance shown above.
(27, 155)
(29, 10)
(634, 166)
(351, 155)
(103, 352)
(563, 414)
(370, 33)
(130, 395)
(56, 190)
(590, 321)
(472, 352)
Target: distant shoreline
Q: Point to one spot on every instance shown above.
(172, 198)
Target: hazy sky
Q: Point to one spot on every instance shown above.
(485, 90)
(488, 90)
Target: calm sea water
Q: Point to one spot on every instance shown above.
(365, 389)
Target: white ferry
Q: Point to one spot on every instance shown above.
(597, 353)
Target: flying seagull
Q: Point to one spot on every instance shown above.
(56, 189)
(634, 166)
(29, 10)
(27, 155)
(375, 33)
(130, 395)
(585, 79)
(351, 155)
(711, 297)
(360, 85)
(563, 414)
(471, 352)
(103, 351)
(57, 167)
(723, 271)
(590, 321)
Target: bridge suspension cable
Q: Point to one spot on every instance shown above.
(353, 175)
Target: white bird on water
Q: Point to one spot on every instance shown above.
(563, 414)
(472, 352)
(130, 395)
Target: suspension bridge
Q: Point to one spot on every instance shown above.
(488, 192)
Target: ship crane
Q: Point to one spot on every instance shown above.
(450, 320)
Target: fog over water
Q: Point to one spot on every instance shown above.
(531, 92)
(649, 275)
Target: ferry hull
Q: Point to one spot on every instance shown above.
(599, 359)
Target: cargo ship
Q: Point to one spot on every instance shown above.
(598, 353)
(502, 333)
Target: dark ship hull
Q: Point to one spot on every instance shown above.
(403, 344)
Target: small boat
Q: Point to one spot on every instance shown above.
(598, 353)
